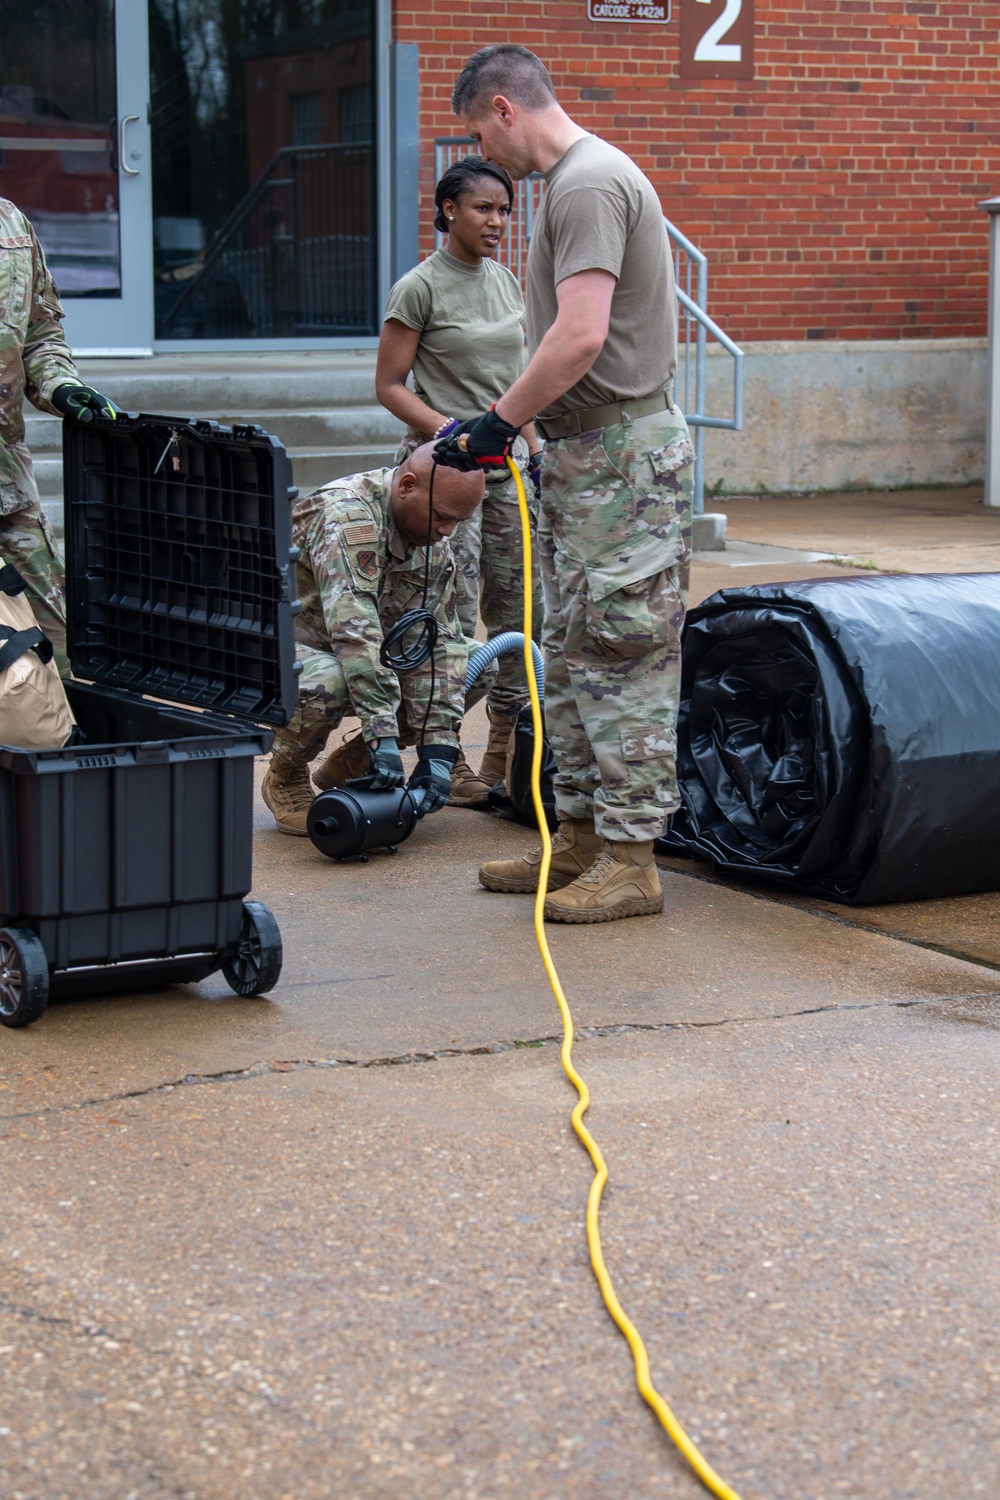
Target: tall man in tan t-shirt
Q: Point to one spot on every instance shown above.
(614, 530)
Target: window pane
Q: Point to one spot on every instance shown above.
(57, 136)
(263, 167)
(308, 128)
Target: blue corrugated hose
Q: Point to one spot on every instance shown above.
(509, 640)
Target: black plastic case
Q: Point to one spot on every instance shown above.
(124, 859)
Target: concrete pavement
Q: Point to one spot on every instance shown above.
(331, 1243)
(907, 531)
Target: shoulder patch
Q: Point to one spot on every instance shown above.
(367, 563)
(360, 539)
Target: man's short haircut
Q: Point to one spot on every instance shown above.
(465, 487)
(506, 69)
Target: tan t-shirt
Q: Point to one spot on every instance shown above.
(471, 325)
(599, 212)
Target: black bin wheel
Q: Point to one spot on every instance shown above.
(24, 977)
(257, 964)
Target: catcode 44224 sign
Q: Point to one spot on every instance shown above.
(628, 10)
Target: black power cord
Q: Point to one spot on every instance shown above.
(394, 652)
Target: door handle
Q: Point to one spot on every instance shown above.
(126, 121)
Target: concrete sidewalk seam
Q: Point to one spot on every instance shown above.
(488, 1049)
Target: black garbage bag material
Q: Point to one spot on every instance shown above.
(843, 735)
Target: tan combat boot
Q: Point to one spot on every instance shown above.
(349, 761)
(574, 846)
(289, 795)
(467, 790)
(623, 881)
(494, 766)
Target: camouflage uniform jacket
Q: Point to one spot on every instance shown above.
(356, 576)
(34, 354)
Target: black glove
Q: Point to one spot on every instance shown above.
(535, 472)
(387, 765)
(433, 776)
(481, 443)
(82, 403)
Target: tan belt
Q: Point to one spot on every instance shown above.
(575, 422)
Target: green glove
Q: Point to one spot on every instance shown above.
(83, 403)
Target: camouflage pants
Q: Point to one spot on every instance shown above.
(614, 541)
(490, 559)
(28, 541)
(323, 701)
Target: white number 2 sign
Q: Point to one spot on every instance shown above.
(711, 48)
(719, 44)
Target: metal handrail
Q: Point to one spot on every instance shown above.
(265, 183)
(736, 420)
(691, 275)
(690, 278)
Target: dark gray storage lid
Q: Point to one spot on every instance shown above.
(180, 569)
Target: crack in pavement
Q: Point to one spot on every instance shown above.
(51, 1320)
(248, 1379)
(775, 898)
(442, 1054)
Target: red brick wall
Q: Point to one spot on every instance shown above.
(835, 193)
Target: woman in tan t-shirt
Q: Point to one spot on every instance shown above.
(456, 323)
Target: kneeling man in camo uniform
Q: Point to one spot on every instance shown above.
(361, 568)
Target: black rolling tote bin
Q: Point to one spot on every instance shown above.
(125, 857)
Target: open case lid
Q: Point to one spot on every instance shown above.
(179, 563)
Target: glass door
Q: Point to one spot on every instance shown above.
(263, 139)
(75, 157)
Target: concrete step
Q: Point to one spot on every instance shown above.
(182, 385)
(323, 442)
(53, 507)
(334, 427)
(42, 433)
(48, 475)
(327, 427)
(312, 467)
(311, 470)
(320, 404)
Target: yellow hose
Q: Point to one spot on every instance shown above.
(647, 1390)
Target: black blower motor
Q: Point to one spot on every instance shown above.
(348, 821)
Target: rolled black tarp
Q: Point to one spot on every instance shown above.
(842, 735)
